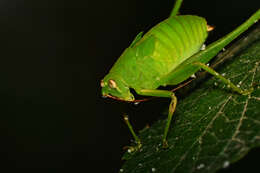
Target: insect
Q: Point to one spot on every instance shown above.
(168, 54)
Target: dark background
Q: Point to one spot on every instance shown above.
(53, 55)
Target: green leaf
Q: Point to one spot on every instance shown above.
(212, 127)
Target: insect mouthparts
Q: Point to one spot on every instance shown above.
(104, 96)
(102, 83)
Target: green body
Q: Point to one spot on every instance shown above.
(168, 54)
(165, 55)
(147, 63)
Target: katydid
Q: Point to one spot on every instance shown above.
(168, 54)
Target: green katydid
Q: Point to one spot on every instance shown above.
(168, 54)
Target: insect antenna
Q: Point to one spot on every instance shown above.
(182, 85)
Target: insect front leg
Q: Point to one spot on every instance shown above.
(137, 140)
(224, 80)
(172, 106)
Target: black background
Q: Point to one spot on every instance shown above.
(53, 55)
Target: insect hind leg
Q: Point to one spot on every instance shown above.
(224, 80)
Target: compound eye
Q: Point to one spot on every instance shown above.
(102, 83)
(112, 83)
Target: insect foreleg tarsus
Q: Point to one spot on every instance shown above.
(223, 79)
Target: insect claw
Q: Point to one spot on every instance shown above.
(165, 144)
(132, 149)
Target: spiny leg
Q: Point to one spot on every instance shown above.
(172, 106)
(224, 80)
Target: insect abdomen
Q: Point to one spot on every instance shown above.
(182, 36)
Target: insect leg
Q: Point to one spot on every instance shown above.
(137, 140)
(226, 81)
(172, 106)
(176, 8)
